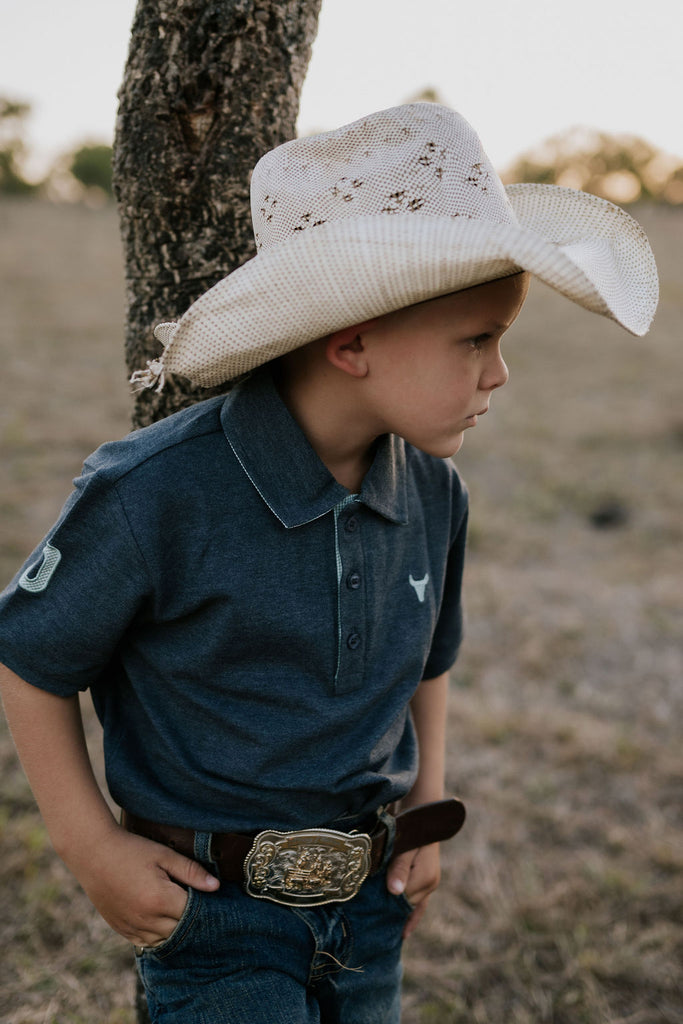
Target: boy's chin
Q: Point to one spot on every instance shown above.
(445, 449)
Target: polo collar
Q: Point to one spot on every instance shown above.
(286, 471)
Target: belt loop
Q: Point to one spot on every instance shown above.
(387, 819)
(202, 849)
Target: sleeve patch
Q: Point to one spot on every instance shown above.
(36, 578)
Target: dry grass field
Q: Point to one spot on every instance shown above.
(562, 899)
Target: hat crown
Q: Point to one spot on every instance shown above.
(420, 158)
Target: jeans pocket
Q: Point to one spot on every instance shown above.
(404, 903)
(180, 932)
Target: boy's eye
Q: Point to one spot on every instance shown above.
(479, 342)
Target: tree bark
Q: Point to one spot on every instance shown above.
(209, 86)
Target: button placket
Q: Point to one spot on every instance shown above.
(350, 601)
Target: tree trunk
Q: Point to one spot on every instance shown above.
(209, 86)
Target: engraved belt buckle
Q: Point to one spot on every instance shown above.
(307, 868)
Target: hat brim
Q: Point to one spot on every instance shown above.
(347, 271)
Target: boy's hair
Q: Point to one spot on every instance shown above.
(394, 209)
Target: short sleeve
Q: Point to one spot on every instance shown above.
(449, 627)
(64, 613)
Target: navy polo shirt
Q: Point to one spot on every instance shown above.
(251, 633)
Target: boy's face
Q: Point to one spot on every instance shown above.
(432, 368)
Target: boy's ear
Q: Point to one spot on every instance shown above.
(345, 349)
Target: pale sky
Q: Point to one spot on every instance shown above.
(519, 70)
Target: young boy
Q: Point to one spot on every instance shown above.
(263, 592)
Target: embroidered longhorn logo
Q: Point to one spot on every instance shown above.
(419, 586)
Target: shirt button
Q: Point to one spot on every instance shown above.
(351, 524)
(353, 581)
(353, 641)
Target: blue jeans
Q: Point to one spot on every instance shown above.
(234, 959)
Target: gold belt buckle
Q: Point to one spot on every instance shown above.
(309, 867)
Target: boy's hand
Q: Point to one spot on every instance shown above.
(136, 885)
(417, 874)
(133, 884)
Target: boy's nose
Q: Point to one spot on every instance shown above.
(495, 374)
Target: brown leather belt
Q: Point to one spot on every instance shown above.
(418, 826)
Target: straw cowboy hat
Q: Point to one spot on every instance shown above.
(394, 209)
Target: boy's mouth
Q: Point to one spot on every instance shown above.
(475, 416)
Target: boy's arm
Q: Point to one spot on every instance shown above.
(130, 880)
(417, 872)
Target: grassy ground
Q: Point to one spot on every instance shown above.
(562, 900)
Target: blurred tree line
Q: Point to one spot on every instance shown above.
(84, 170)
(12, 149)
(622, 168)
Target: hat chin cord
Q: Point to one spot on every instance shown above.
(153, 374)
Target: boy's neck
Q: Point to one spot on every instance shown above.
(333, 427)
